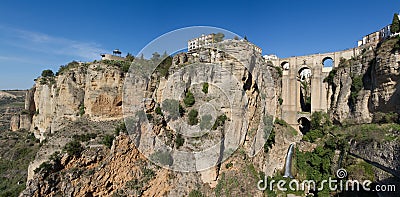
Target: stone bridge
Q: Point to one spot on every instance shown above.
(317, 69)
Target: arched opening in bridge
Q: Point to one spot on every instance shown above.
(285, 65)
(327, 62)
(304, 125)
(304, 79)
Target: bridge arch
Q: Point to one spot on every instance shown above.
(304, 72)
(285, 65)
(327, 61)
(304, 84)
(304, 125)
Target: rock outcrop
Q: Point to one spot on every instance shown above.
(11, 106)
(14, 123)
(92, 90)
(95, 92)
(376, 72)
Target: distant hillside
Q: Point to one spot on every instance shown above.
(11, 102)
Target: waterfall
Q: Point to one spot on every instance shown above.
(288, 163)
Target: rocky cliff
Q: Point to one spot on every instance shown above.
(91, 90)
(366, 84)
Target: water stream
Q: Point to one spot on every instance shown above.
(288, 163)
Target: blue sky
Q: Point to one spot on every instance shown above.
(38, 35)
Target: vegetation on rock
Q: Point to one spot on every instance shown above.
(219, 122)
(179, 141)
(74, 148)
(193, 117)
(205, 88)
(189, 99)
(270, 141)
(108, 140)
(395, 27)
(17, 151)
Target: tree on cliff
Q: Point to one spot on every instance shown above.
(395, 27)
(129, 57)
(47, 73)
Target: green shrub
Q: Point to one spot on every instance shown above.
(108, 140)
(395, 26)
(189, 99)
(125, 68)
(229, 165)
(74, 148)
(45, 168)
(122, 64)
(55, 156)
(281, 122)
(315, 165)
(280, 100)
(320, 120)
(330, 77)
(81, 110)
(313, 135)
(149, 118)
(47, 73)
(163, 67)
(129, 57)
(122, 128)
(279, 71)
(381, 117)
(181, 110)
(137, 184)
(356, 86)
(193, 120)
(220, 121)
(179, 141)
(270, 141)
(67, 67)
(196, 193)
(158, 110)
(205, 88)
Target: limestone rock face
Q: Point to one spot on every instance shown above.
(379, 70)
(29, 100)
(384, 156)
(14, 123)
(341, 93)
(25, 121)
(95, 91)
(385, 80)
(101, 179)
(103, 93)
(90, 90)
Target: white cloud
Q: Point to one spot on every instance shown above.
(40, 42)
